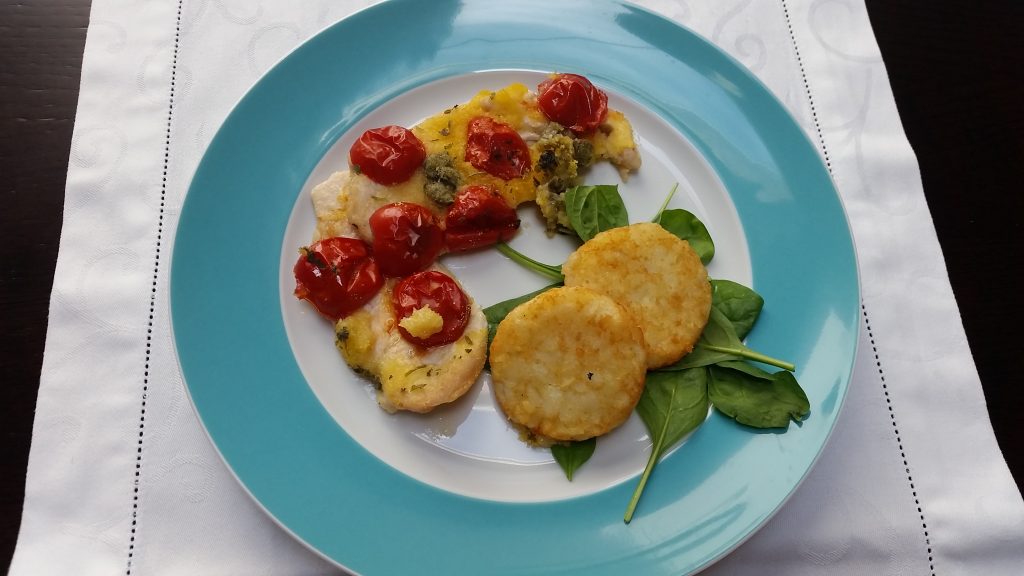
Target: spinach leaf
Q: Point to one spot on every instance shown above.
(497, 312)
(720, 336)
(570, 456)
(686, 226)
(672, 405)
(699, 358)
(740, 304)
(755, 401)
(552, 272)
(747, 368)
(594, 209)
(719, 343)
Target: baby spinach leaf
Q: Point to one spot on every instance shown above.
(552, 272)
(755, 401)
(686, 226)
(740, 304)
(720, 342)
(672, 405)
(571, 455)
(594, 209)
(497, 312)
(698, 358)
(747, 368)
(720, 336)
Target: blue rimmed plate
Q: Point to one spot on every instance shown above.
(450, 493)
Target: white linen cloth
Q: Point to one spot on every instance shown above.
(122, 479)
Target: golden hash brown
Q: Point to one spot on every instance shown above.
(568, 364)
(656, 276)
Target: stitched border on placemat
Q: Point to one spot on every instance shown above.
(864, 310)
(899, 440)
(152, 295)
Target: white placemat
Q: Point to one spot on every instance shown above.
(122, 479)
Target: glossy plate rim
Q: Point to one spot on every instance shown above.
(342, 502)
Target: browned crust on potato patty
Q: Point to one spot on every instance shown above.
(569, 364)
(656, 276)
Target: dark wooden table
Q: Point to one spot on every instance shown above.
(955, 68)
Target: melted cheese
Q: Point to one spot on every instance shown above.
(422, 323)
(614, 142)
(409, 377)
(447, 132)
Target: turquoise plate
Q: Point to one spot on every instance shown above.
(315, 478)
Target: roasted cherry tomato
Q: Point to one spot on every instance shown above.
(439, 292)
(387, 155)
(337, 276)
(478, 217)
(496, 148)
(572, 101)
(406, 238)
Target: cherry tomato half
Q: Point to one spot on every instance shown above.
(387, 155)
(496, 148)
(406, 238)
(478, 217)
(442, 294)
(572, 101)
(337, 276)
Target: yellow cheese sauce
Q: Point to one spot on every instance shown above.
(516, 106)
(447, 132)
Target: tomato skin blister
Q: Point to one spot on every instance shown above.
(337, 276)
(573, 101)
(406, 238)
(497, 149)
(387, 155)
(442, 294)
(479, 217)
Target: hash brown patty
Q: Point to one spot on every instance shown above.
(568, 364)
(656, 276)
